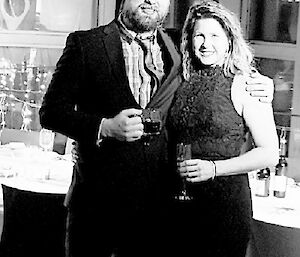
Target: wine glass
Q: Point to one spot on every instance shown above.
(152, 121)
(183, 152)
(46, 139)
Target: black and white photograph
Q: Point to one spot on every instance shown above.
(149, 128)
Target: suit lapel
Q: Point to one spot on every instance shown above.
(114, 51)
(165, 89)
(113, 46)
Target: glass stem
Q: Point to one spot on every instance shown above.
(184, 187)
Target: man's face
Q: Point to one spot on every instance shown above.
(145, 15)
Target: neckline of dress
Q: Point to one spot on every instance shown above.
(210, 71)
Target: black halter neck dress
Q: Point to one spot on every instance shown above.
(220, 214)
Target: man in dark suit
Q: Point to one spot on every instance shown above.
(118, 190)
(118, 199)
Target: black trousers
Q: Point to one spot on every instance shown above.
(97, 232)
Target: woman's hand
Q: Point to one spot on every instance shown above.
(196, 170)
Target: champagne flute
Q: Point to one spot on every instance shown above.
(46, 140)
(183, 152)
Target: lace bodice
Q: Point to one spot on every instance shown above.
(204, 115)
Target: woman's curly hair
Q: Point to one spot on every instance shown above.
(240, 55)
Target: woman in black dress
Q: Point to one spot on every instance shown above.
(213, 112)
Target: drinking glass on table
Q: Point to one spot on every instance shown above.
(183, 152)
(46, 139)
(152, 121)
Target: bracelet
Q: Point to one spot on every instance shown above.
(214, 169)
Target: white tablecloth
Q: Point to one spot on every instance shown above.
(31, 169)
(278, 211)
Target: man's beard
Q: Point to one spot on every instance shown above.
(142, 23)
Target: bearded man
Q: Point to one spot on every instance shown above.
(119, 196)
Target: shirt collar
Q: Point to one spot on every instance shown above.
(130, 35)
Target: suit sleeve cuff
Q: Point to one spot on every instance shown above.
(100, 137)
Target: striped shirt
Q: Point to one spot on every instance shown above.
(143, 62)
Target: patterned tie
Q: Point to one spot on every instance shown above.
(145, 43)
(150, 61)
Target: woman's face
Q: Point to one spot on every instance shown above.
(210, 42)
(145, 15)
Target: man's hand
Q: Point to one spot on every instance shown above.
(126, 126)
(260, 86)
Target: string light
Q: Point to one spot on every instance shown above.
(2, 111)
(26, 86)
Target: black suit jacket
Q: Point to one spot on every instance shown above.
(90, 83)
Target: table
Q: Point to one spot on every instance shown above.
(34, 224)
(35, 182)
(270, 240)
(276, 223)
(34, 185)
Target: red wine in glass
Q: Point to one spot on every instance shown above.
(152, 121)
